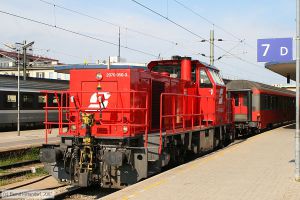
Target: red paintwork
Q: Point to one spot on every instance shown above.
(184, 106)
(274, 116)
(267, 117)
(186, 68)
(241, 108)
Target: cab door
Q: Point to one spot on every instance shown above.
(206, 91)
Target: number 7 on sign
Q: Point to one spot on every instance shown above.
(266, 49)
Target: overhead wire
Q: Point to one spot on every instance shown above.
(245, 71)
(193, 33)
(168, 19)
(235, 46)
(58, 52)
(108, 22)
(76, 33)
(212, 23)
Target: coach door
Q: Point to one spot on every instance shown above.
(241, 106)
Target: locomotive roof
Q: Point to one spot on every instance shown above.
(209, 66)
(67, 68)
(176, 62)
(236, 85)
(9, 83)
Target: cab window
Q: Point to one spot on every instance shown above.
(193, 74)
(204, 80)
(173, 70)
(216, 76)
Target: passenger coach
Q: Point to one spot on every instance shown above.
(259, 106)
(32, 101)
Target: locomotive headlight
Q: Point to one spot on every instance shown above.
(99, 76)
(125, 129)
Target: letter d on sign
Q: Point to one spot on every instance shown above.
(275, 50)
(284, 51)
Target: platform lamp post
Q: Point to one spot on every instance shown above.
(297, 134)
(23, 46)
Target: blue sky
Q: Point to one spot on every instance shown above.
(246, 19)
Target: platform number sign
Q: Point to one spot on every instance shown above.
(274, 50)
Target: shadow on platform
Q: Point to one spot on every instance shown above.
(291, 126)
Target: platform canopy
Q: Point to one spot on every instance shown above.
(283, 68)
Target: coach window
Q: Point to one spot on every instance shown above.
(55, 100)
(245, 100)
(41, 101)
(236, 100)
(204, 80)
(27, 101)
(11, 101)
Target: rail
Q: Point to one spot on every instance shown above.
(73, 103)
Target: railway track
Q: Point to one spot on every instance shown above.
(19, 169)
(19, 164)
(16, 164)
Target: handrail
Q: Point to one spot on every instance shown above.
(77, 107)
(196, 113)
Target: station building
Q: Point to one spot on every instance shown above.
(37, 66)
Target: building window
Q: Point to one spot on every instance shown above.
(59, 76)
(51, 75)
(40, 74)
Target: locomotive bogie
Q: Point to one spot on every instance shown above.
(118, 164)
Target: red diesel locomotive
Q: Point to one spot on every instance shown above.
(123, 124)
(259, 106)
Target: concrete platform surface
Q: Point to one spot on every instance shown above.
(259, 168)
(28, 138)
(37, 183)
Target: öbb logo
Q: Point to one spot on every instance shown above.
(99, 100)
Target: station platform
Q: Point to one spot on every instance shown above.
(28, 138)
(258, 168)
